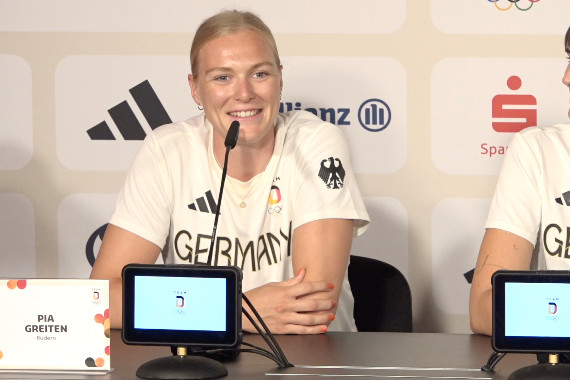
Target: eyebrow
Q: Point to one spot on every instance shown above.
(254, 67)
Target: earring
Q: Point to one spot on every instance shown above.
(200, 107)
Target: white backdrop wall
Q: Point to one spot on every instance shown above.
(412, 83)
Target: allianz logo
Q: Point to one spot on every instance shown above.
(374, 115)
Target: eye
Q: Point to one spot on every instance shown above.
(222, 78)
(260, 74)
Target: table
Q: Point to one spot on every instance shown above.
(399, 354)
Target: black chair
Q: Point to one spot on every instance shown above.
(382, 296)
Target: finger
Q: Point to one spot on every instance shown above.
(295, 323)
(311, 306)
(294, 280)
(303, 330)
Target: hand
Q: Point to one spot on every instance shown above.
(288, 307)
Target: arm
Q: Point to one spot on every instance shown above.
(322, 248)
(306, 303)
(499, 250)
(119, 248)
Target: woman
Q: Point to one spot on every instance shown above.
(530, 201)
(291, 204)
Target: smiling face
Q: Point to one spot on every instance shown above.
(239, 79)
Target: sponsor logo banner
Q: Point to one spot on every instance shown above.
(106, 105)
(478, 103)
(370, 107)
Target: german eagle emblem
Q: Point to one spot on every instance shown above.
(332, 173)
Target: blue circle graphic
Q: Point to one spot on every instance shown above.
(374, 121)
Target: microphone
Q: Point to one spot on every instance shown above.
(232, 136)
(230, 143)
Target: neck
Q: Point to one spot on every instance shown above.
(246, 160)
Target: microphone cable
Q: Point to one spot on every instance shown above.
(493, 360)
(266, 335)
(276, 354)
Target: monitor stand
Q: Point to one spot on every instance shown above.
(181, 367)
(553, 370)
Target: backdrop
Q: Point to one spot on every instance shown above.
(429, 94)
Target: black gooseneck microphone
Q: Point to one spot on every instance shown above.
(276, 353)
(230, 143)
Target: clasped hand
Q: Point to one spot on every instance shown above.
(293, 306)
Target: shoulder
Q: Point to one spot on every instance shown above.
(549, 134)
(180, 132)
(537, 144)
(174, 141)
(304, 125)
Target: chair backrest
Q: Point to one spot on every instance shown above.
(382, 296)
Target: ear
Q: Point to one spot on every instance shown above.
(194, 89)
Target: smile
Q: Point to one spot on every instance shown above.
(245, 113)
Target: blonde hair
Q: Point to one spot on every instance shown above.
(226, 23)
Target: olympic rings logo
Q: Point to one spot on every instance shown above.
(513, 2)
(274, 210)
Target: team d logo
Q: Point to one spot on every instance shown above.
(513, 112)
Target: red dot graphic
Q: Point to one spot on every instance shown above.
(514, 82)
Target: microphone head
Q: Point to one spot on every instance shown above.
(232, 136)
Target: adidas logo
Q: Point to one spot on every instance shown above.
(202, 204)
(564, 200)
(125, 119)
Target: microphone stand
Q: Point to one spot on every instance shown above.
(230, 143)
(277, 353)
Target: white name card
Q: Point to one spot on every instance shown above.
(54, 325)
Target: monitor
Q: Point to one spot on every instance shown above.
(531, 311)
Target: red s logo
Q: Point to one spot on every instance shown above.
(513, 112)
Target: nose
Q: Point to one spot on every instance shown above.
(244, 90)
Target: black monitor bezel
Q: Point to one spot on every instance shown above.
(230, 338)
(502, 343)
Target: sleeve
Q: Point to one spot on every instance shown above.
(328, 187)
(144, 204)
(516, 204)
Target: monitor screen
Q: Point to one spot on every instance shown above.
(182, 305)
(531, 311)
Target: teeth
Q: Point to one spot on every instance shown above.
(244, 113)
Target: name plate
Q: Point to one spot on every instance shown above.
(54, 325)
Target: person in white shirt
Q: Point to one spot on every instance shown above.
(291, 205)
(530, 210)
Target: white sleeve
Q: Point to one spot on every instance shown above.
(516, 205)
(144, 204)
(328, 187)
